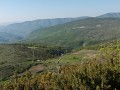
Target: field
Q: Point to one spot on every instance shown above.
(66, 59)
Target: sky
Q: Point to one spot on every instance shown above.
(26, 10)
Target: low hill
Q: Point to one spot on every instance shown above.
(18, 58)
(78, 33)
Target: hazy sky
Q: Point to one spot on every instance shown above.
(22, 10)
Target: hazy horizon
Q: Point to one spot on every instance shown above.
(28, 10)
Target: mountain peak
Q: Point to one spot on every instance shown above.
(110, 15)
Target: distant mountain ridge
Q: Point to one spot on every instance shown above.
(23, 29)
(110, 15)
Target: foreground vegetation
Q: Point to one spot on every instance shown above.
(100, 73)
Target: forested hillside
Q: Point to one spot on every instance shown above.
(78, 33)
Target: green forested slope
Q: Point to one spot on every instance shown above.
(78, 33)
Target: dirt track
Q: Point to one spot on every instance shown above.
(37, 68)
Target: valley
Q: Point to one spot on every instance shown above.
(61, 54)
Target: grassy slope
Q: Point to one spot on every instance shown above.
(78, 33)
(69, 59)
(18, 58)
(100, 73)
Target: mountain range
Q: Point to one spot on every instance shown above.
(21, 30)
(25, 30)
(78, 33)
